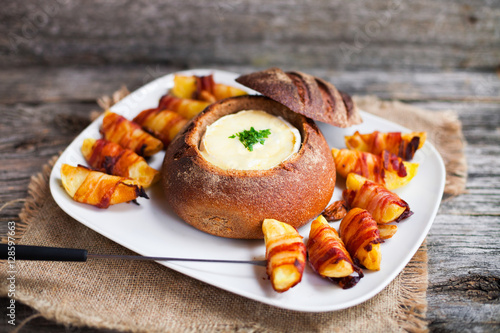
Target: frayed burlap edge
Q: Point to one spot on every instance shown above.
(446, 135)
(412, 300)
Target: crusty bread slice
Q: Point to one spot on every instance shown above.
(305, 94)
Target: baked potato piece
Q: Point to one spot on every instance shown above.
(386, 169)
(163, 124)
(403, 145)
(285, 254)
(111, 158)
(359, 232)
(128, 134)
(97, 188)
(203, 88)
(384, 205)
(386, 231)
(327, 253)
(184, 86)
(186, 107)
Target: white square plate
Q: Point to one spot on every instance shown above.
(152, 229)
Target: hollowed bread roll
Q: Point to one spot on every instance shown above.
(234, 203)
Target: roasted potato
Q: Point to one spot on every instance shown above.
(386, 169)
(202, 88)
(384, 205)
(359, 232)
(386, 231)
(403, 145)
(188, 108)
(128, 134)
(113, 159)
(285, 254)
(327, 253)
(97, 188)
(184, 86)
(163, 124)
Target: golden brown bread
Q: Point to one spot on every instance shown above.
(234, 203)
(305, 94)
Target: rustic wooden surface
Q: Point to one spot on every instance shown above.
(42, 109)
(330, 34)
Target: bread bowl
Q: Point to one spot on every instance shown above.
(233, 203)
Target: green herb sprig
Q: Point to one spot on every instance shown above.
(250, 137)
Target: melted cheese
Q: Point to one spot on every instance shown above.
(229, 153)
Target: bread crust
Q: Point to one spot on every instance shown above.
(305, 94)
(234, 203)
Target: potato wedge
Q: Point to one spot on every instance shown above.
(387, 169)
(97, 188)
(386, 231)
(128, 134)
(184, 86)
(285, 254)
(203, 88)
(359, 232)
(111, 158)
(327, 253)
(384, 205)
(163, 124)
(186, 107)
(403, 145)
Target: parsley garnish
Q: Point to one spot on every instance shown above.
(250, 137)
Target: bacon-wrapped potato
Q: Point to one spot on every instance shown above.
(386, 169)
(113, 159)
(97, 188)
(327, 253)
(285, 254)
(128, 134)
(403, 145)
(188, 108)
(384, 205)
(203, 88)
(359, 232)
(163, 124)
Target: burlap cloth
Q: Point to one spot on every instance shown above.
(148, 297)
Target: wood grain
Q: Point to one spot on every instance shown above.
(43, 109)
(336, 34)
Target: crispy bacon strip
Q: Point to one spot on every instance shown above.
(127, 134)
(384, 205)
(403, 145)
(188, 108)
(97, 188)
(163, 124)
(285, 254)
(359, 232)
(111, 158)
(387, 169)
(327, 253)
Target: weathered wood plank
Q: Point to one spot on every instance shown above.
(67, 84)
(330, 34)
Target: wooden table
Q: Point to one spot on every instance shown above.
(43, 109)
